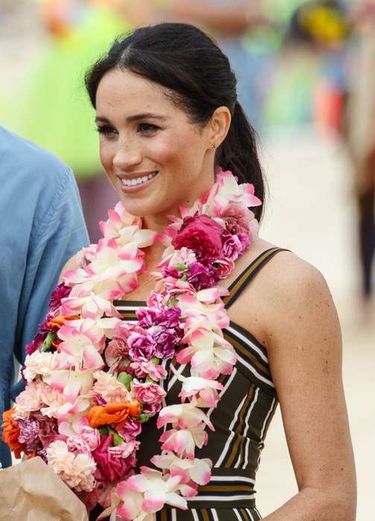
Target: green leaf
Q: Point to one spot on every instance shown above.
(143, 417)
(47, 344)
(117, 439)
(125, 379)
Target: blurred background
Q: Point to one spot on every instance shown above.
(306, 78)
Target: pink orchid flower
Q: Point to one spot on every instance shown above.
(89, 306)
(209, 353)
(197, 470)
(184, 441)
(79, 348)
(157, 490)
(183, 416)
(73, 386)
(230, 191)
(118, 218)
(200, 391)
(203, 307)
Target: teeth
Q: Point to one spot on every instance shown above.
(138, 180)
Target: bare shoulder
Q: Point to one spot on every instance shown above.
(290, 278)
(287, 299)
(298, 304)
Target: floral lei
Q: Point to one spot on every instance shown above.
(93, 378)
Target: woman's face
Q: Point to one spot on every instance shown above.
(156, 159)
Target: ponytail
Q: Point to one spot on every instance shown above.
(238, 153)
(183, 59)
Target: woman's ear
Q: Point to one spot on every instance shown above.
(218, 126)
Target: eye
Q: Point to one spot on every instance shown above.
(147, 128)
(106, 130)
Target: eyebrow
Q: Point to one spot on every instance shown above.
(136, 117)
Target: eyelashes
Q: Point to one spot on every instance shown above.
(147, 128)
(106, 130)
(141, 128)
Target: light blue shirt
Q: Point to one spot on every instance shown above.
(41, 227)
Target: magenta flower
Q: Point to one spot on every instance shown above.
(29, 434)
(202, 277)
(171, 272)
(232, 246)
(245, 240)
(147, 316)
(141, 346)
(36, 343)
(202, 235)
(110, 467)
(170, 317)
(60, 292)
(165, 340)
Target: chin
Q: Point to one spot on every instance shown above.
(140, 208)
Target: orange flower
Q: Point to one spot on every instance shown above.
(55, 323)
(115, 414)
(11, 431)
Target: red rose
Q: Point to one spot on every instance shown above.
(202, 235)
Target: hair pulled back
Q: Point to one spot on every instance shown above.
(183, 59)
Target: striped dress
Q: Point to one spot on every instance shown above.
(248, 402)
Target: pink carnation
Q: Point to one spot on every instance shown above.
(141, 346)
(116, 351)
(111, 466)
(150, 395)
(143, 369)
(131, 429)
(237, 218)
(202, 235)
(232, 246)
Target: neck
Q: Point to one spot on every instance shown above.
(153, 255)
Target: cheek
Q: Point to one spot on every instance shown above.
(105, 156)
(182, 151)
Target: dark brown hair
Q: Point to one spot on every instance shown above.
(187, 62)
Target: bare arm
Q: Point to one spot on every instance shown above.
(304, 344)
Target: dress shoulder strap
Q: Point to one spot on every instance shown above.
(248, 274)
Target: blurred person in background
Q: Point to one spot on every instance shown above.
(310, 83)
(42, 226)
(55, 113)
(361, 138)
(229, 21)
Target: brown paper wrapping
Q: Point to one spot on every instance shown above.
(31, 491)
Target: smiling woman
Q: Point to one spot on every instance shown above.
(142, 363)
(141, 150)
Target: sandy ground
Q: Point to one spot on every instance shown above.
(309, 176)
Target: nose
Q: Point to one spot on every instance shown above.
(126, 155)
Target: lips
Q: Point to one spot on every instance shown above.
(137, 181)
